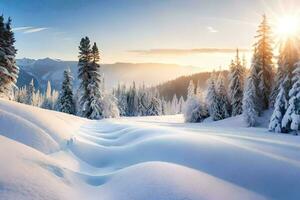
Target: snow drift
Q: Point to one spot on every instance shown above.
(50, 155)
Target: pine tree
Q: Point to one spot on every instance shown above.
(222, 100)
(8, 68)
(191, 89)
(85, 59)
(181, 105)
(236, 86)
(279, 78)
(21, 95)
(109, 106)
(264, 56)
(66, 102)
(174, 104)
(164, 107)
(89, 73)
(250, 112)
(195, 109)
(142, 101)
(291, 118)
(30, 93)
(132, 101)
(263, 62)
(121, 96)
(47, 104)
(212, 97)
(279, 110)
(154, 107)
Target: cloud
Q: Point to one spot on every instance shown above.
(22, 28)
(34, 30)
(29, 29)
(211, 29)
(186, 51)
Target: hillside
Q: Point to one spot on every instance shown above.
(179, 85)
(145, 158)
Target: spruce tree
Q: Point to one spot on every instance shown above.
(132, 101)
(222, 106)
(195, 109)
(250, 112)
(121, 96)
(174, 104)
(279, 78)
(94, 104)
(30, 93)
(47, 103)
(191, 89)
(263, 62)
(236, 86)
(291, 118)
(181, 105)
(212, 97)
(66, 102)
(275, 124)
(8, 68)
(85, 59)
(154, 107)
(89, 73)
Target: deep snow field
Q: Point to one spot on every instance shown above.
(48, 155)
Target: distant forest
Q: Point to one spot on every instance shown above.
(179, 85)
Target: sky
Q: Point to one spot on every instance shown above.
(202, 33)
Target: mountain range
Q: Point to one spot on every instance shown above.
(42, 70)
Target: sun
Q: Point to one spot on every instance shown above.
(288, 26)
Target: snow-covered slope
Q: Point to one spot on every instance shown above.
(50, 155)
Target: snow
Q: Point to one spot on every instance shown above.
(51, 155)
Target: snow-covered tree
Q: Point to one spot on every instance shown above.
(121, 96)
(222, 103)
(110, 108)
(48, 103)
(89, 73)
(195, 109)
(236, 85)
(85, 59)
(250, 112)
(212, 97)
(174, 105)
(181, 105)
(289, 55)
(30, 93)
(132, 101)
(154, 107)
(191, 89)
(291, 118)
(164, 109)
(8, 68)
(38, 99)
(142, 101)
(66, 102)
(264, 64)
(275, 124)
(279, 78)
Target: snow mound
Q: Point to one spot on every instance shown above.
(28, 174)
(52, 156)
(42, 129)
(165, 181)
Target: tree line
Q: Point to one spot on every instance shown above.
(262, 87)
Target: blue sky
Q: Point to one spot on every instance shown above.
(137, 30)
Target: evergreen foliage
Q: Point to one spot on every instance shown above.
(66, 102)
(8, 69)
